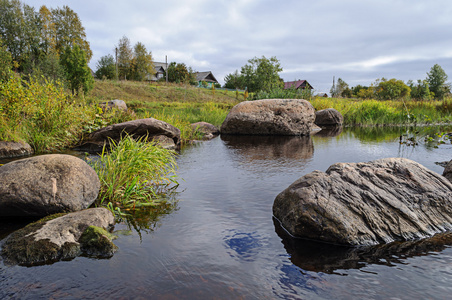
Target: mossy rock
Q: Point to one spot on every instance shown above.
(61, 237)
(22, 249)
(97, 242)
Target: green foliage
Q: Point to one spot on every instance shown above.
(106, 68)
(421, 91)
(280, 93)
(373, 112)
(134, 173)
(391, 89)
(339, 89)
(5, 63)
(30, 35)
(143, 65)
(78, 74)
(40, 113)
(262, 74)
(437, 80)
(234, 81)
(178, 73)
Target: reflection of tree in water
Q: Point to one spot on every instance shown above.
(327, 258)
(255, 147)
(147, 219)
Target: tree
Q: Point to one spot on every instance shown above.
(421, 91)
(12, 29)
(6, 63)
(178, 72)
(125, 57)
(48, 31)
(106, 68)
(234, 81)
(78, 74)
(337, 90)
(262, 74)
(142, 63)
(69, 31)
(391, 89)
(436, 79)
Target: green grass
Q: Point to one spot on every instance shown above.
(391, 112)
(134, 174)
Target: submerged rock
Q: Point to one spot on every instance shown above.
(14, 149)
(270, 117)
(58, 237)
(47, 184)
(150, 128)
(207, 130)
(367, 203)
(328, 117)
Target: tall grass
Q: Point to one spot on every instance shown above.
(134, 174)
(42, 114)
(391, 112)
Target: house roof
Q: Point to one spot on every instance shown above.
(206, 76)
(159, 66)
(297, 84)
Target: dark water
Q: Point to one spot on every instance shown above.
(219, 240)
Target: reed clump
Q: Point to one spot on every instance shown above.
(134, 174)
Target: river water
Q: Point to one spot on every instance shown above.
(218, 239)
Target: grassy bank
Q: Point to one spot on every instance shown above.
(391, 112)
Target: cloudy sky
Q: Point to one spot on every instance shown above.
(356, 40)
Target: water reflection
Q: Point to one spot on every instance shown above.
(244, 245)
(330, 131)
(271, 147)
(147, 219)
(327, 258)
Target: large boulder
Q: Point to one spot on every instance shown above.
(270, 117)
(207, 130)
(328, 117)
(448, 171)
(161, 132)
(367, 203)
(14, 149)
(63, 237)
(47, 184)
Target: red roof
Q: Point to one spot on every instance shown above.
(297, 84)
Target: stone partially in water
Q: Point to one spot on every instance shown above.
(46, 184)
(448, 171)
(328, 117)
(58, 237)
(150, 128)
(207, 130)
(97, 242)
(14, 149)
(367, 203)
(270, 117)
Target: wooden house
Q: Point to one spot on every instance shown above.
(298, 85)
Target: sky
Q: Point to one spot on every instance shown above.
(358, 41)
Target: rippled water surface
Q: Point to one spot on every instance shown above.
(219, 240)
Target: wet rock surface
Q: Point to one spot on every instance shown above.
(270, 117)
(392, 199)
(47, 184)
(14, 149)
(153, 129)
(58, 237)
